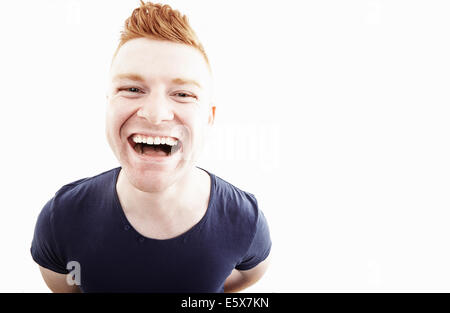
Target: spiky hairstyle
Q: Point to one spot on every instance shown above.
(160, 22)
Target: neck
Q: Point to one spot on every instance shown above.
(163, 204)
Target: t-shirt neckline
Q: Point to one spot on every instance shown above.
(129, 226)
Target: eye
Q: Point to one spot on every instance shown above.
(129, 89)
(133, 89)
(185, 95)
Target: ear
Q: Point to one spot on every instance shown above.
(212, 115)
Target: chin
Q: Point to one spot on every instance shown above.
(149, 180)
(150, 174)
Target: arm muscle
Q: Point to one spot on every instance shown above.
(239, 280)
(57, 282)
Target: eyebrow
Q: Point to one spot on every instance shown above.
(139, 78)
(129, 76)
(182, 81)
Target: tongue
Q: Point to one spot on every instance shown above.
(152, 151)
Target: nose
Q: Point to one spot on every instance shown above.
(156, 108)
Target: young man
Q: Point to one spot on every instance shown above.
(158, 223)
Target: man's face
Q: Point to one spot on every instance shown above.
(159, 91)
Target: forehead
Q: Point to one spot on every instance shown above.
(156, 60)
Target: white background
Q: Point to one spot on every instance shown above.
(333, 113)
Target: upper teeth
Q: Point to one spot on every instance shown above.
(155, 140)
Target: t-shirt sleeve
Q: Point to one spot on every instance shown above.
(260, 246)
(43, 247)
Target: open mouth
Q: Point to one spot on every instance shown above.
(154, 146)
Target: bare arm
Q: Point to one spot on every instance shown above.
(239, 280)
(57, 282)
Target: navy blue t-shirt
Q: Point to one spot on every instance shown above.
(84, 222)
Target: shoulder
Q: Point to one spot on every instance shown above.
(82, 188)
(240, 221)
(81, 194)
(237, 205)
(59, 220)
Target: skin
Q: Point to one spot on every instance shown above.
(168, 92)
(156, 192)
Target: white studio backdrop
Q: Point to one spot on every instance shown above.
(333, 113)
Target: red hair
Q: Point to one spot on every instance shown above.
(160, 22)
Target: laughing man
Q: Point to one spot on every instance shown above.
(158, 223)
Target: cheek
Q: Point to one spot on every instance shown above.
(198, 123)
(116, 115)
